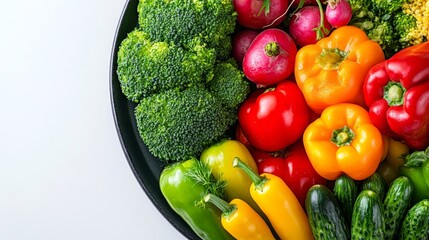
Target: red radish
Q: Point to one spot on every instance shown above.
(306, 26)
(270, 58)
(241, 42)
(258, 14)
(295, 3)
(338, 12)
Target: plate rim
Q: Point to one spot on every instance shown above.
(182, 227)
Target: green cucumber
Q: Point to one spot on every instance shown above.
(325, 215)
(396, 205)
(367, 218)
(376, 183)
(416, 222)
(346, 192)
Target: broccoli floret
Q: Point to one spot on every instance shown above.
(146, 67)
(404, 25)
(188, 22)
(176, 125)
(223, 48)
(383, 34)
(412, 23)
(359, 5)
(362, 16)
(386, 7)
(229, 85)
(395, 24)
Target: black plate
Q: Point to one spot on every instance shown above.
(144, 165)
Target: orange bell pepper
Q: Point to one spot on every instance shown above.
(344, 140)
(333, 70)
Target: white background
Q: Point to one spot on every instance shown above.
(63, 174)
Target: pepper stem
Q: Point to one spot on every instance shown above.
(394, 93)
(257, 180)
(343, 136)
(331, 58)
(417, 158)
(272, 49)
(269, 89)
(226, 208)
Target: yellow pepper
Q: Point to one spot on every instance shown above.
(333, 70)
(397, 152)
(279, 204)
(344, 140)
(219, 157)
(389, 168)
(240, 220)
(386, 141)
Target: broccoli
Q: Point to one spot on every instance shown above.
(146, 67)
(359, 7)
(188, 22)
(383, 33)
(223, 48)
(362, 16)
(176, 125)
(386, 7)
(175, 65)
(229, 85)
(404, 23)
(412, 23)
(394, 24)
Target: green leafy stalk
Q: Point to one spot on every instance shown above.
(202, 174)
(265, 6)
(321, 31)
(300, 5)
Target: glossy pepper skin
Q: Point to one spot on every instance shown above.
(416, 168)
(274, 118)
(294, 168)
(240, 220)
(344, 140)
(182, 186)
(397, 94)
(218, 157)
(279, 204)
(333, 70)
(389, 167)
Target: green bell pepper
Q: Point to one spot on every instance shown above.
(184, 185)
(416, 167)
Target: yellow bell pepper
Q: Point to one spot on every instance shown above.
(279, 204)
(219, 157)
(333, 70)
(240, 220)
(344, 140)
(396, 152)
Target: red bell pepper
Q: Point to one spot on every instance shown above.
(396, 92)
(292, 166)
(274, 118)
